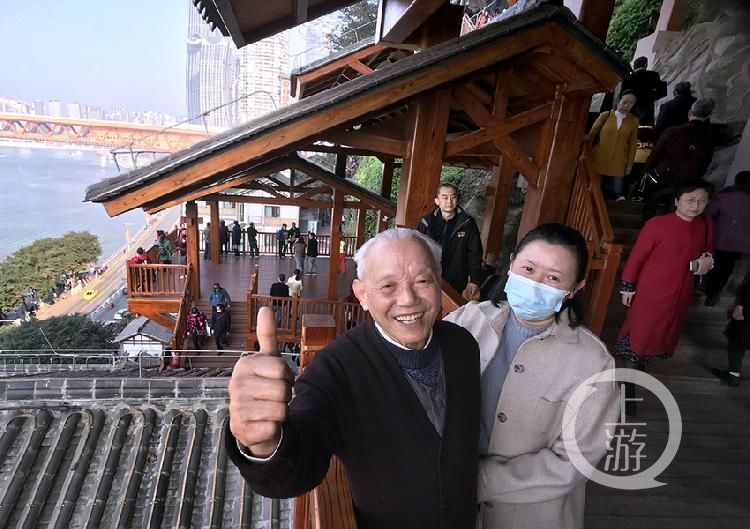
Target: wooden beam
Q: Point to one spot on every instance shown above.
(400, 18)
(334, 251)
(215, 245)
(369, 142)
(386, 182)
(420, 173)
(304, 203)
(193, 247)
(337, 149)
(501, 128)
(347, 186)
(361, 218)
(596, 16)
(360, 67)
(548, 200)
(497, 199)
(313, 192)
(299, 9)
(291, 136)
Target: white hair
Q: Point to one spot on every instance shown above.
(361, 257)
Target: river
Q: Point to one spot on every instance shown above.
(42, 196)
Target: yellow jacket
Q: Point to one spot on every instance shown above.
(615, 151)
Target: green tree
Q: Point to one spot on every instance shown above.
(631, 21)
(73, 331)
(41, 263)
(358, 21)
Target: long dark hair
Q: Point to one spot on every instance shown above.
(559, 235)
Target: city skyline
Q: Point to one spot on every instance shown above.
(130, 56)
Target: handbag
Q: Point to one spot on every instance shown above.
(596, 139)
(653, 180)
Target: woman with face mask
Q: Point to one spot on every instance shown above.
(534, 353)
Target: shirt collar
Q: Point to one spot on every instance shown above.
(394, 342)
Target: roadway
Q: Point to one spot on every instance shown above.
(110, 284)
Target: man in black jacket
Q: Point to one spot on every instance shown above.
(647, 87)
(675, 111)
(279, 290)
(456, 231)
(396, 399)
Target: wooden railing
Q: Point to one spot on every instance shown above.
(252, 290)
(588, 214)
(450, 300)
(268, 245)
(156, 280)
(290, 310)
(186, 303)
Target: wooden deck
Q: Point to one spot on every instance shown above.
(233, 273)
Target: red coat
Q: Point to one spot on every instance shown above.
(659, 268)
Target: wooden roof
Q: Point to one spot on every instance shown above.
(248, 21)
(546, 49)
(354, 61)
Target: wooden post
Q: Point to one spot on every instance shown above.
(193, 247)
(382, 222)
(549, 200)
(215, 245)
(596, 15)
(361, 218)
(420, 172)
(386, 183)
(318, 330)
(336, 230)
(496, 202)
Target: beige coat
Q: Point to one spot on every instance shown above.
(615, 151)
(528, 482)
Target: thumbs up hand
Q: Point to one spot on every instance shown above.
(260, 391)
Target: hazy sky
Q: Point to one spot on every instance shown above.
(109, 53)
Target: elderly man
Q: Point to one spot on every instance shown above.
(396, 399)
(456, 231)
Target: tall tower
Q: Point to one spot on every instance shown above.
(212, 66)
(263, 81)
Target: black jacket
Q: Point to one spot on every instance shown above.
(674, 112)
(462, 251)
(647, 87)
(312, 247)
(354, 401)
(236, 234)
(685, 151)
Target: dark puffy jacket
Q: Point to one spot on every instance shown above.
(674, 112)
(462, 251)
(685, 151)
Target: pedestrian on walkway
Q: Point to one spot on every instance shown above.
(163, 248)
(738, 334)
(196, 327)
(218, 296)
(648, 88)
(312, 253)
(295, 284)
(730, 210)
(252, 240)
(223, 237)
(299, 253)
(342, 256)
(279, 290)
(534, 354)
(281, 241)
(181, 247)
(615, 138)
(291, 237)
(236, 238)
(659, 277)
(221, 327)
(207, 241)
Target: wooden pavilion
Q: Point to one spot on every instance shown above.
(512, 96)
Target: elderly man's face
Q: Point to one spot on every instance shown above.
(401, 291)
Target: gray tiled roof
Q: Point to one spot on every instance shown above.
(410, 66)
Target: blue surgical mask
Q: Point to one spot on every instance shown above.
(533, 301)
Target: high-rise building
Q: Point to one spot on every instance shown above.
(54, 108)
(263, 82)
(39, 107)
(74, 110)
(212, 64)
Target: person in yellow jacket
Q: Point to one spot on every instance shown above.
(615, 138)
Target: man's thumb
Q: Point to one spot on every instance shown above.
(266, 331)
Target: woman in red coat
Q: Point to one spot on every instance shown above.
(658, 278)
